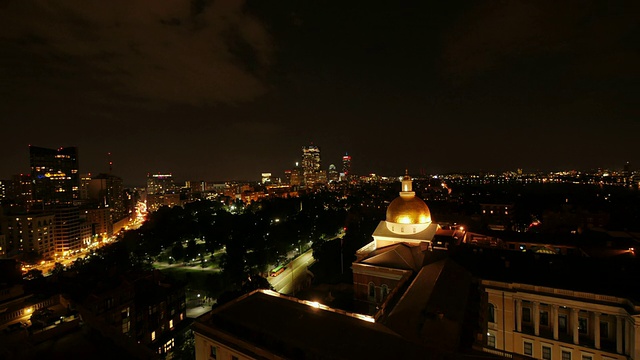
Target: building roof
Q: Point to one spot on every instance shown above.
(425, 235)
(291, 329)
(398, 256)
(605, 276)
(432, 309)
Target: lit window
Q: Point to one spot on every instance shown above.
(170, 324)
(491, 340)
(583, 325)
(153, 336)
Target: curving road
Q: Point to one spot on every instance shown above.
(296, 273)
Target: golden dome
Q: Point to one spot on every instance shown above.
(408, 210)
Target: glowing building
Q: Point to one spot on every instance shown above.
(346, 165)
(297, 176)
(28, 233)
(55, 175)
(159, 184)
(333, 174)
(311, 164)
(70, 231)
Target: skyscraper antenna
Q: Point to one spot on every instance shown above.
(110, 162)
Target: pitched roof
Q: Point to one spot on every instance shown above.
(397, 256)
(432, 309)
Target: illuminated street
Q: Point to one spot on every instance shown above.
(296, 273)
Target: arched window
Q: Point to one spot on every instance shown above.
(372, 291)
(491, 313)
(384, 290)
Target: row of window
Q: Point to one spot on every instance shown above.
(546, 352)
(583, 322)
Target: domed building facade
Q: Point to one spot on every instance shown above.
(408, 221)
(398, 247)
(407, 214)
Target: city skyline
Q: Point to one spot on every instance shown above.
(321, 168)
(227, 91)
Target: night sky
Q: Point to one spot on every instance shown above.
(218, 90)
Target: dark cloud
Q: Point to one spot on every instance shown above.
(225, 89)
(587, 37)
(145, 50)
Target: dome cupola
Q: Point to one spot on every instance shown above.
(407, 213)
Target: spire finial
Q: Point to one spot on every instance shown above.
(406, 182)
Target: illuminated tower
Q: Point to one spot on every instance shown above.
(160, 184)
(310, 164)
(296, 176)
(55, 175)
(346, 165)
(333, 175)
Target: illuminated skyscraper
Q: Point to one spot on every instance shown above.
(296, 176)
(159, 184)
(333, 174)
(346, 164)
(55, 175)
(310, 164)
(287, 177)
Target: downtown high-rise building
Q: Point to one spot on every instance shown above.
(333, 175)
(71, 233)
(55, 176)
(296, 178)
(311, 164)
(107, 191)
(346, 165)
(28, 233)
(160, 184)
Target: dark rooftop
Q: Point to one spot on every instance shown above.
(606, 276)
(296, 330)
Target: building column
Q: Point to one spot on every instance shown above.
(536, 318)
(596, 330)
(619, 334)
(518, 315)
(554, 318)
(627, 337)
(635, 341)
(574, 326)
